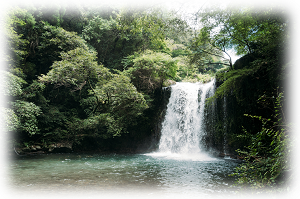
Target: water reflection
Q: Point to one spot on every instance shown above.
(120, 172)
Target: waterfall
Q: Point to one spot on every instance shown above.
(182, 128)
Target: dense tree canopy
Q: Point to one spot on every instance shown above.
(65, 70)
(149, 70)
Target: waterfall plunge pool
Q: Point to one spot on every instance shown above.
(150, 174)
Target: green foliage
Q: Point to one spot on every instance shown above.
(124, 33)
(60, 39)
(11, 120)
(176, 28)
(231, 82)
(149, 70)
(115, 106)
(60, 91)
(52, 14)
(246, 30)
(145, 27)
(206, 53)
(34, 90)
(121, 95)
(185, 70)
(52, 42)
(74, 69)
(18, 21)
(27, 113)
(101, 34)
(13, 84)
(56, 39)
(55, 124)
(20, 115)
(267, 158)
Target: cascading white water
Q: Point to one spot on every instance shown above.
(182, 128)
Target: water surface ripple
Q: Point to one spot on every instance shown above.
(149, 173)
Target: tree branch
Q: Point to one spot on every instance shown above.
(95, 95)
(210, 53)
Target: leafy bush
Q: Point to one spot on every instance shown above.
(27, 113)
(149, 70)
(267, 161)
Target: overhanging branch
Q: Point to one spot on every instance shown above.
(214, 54)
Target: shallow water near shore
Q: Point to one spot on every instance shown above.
(111, 174)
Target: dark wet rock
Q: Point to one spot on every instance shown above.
(168, 83)
(61, 147)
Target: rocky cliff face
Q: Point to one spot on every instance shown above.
(225, 121)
